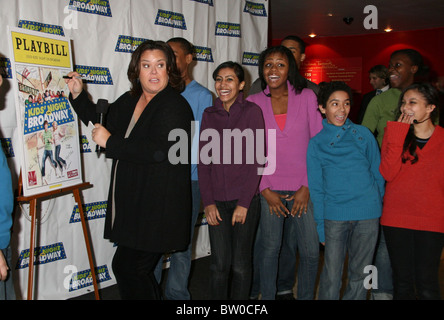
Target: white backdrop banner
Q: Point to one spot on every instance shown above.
(103, 35)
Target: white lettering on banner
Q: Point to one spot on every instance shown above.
(230, 32)
(90, 7)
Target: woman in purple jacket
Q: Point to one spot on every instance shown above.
(229, 175)
(290, 112)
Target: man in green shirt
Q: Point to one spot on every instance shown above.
(404, 65)
(382, 108)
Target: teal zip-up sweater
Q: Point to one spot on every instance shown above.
(6, 202)
(343, 174)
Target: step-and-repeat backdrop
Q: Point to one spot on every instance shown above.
(104, 33)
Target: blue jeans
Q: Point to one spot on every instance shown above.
(46, 154)
(294, 234)
(58, 158)
(176, 285)
(358, 238)
(382, 264)
(7, 291)
(231, 251)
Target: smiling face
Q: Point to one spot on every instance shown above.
(401, 71)
(276, 70)
(415, 105)
(337, 108)
(228, 86)
(153, 73)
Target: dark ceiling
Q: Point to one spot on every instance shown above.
(325, 17)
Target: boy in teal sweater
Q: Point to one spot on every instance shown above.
(346, 189)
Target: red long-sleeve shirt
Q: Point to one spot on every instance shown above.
(414, 195)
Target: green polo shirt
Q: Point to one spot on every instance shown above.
(382, 108)
(47, 136)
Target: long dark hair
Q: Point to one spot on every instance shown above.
(296, 80)
(431, 95)
(174, 77)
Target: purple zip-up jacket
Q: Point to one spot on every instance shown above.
(221, 177)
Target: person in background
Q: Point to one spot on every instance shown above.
(346, 189)
(199, 98)
(413, 212)
(7, 291)
(404, 65)
(297, 47)
(149, 203)
(379, 80)
(290, 110)
(230, 191)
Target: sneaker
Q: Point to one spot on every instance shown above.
(285, 296)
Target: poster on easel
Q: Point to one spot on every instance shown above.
(48, 128)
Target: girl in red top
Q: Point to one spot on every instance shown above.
(412, 163)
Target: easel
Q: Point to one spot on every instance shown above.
(32, 212)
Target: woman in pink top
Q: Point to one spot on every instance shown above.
(291, 118)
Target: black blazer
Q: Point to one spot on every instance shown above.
(152, 196)
(364, 103)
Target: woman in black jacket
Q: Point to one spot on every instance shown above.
(149, 202)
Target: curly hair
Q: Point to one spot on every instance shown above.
(327, 88)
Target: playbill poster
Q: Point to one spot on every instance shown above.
(47, 124)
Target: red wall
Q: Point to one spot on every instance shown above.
(376, 49)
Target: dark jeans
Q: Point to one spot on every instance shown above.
(231, 251)
(134, 271)
(415, 257)
(58, 158)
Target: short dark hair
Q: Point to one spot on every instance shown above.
(174, 78)
(327, 88)
(381, 71)
(415, 57)
(238, 70)
(301, 42)
(187, 47)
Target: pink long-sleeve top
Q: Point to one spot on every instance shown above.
(303, 122)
